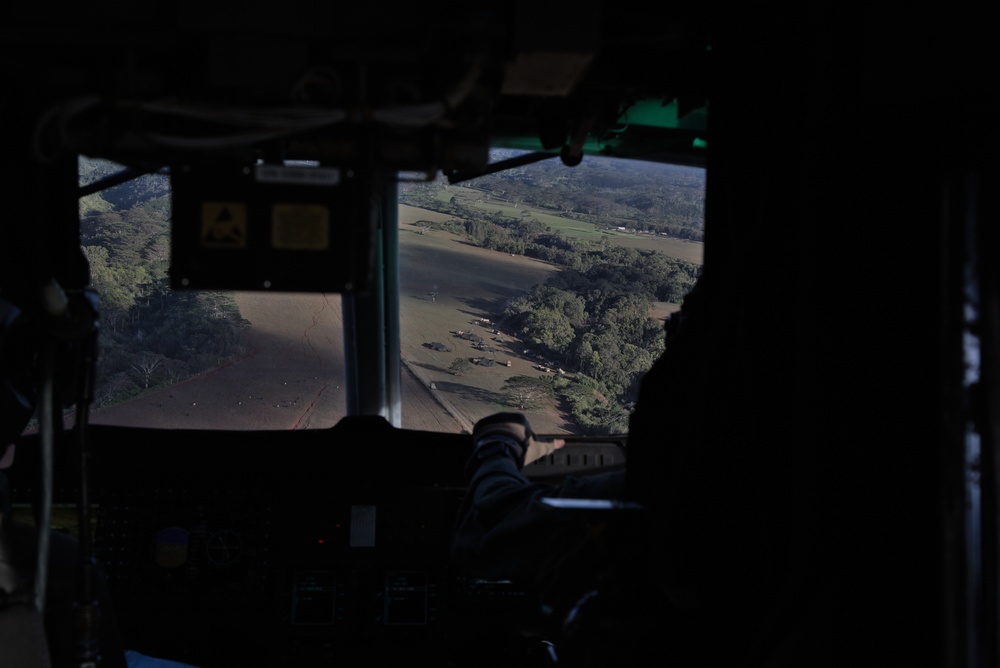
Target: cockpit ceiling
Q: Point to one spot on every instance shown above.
(411, 87)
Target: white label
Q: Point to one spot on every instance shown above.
(287, 174)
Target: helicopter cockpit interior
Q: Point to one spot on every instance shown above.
(849, 365)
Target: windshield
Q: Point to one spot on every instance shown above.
(541, 289)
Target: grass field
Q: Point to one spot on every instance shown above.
(448, 285)
(689, 251)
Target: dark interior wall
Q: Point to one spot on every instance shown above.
(823, 447)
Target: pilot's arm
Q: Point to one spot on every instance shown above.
(504, 529)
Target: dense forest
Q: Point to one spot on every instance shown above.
(150, 334)
(593, 317)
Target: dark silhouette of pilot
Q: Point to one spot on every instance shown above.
(653, 568)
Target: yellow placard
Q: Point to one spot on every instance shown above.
(224, 224)
(300, 227)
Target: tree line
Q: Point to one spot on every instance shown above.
(597, 321)
(644, 197)
(150, 335)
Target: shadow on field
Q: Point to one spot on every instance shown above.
(430, 367)
(482, 305)
(565, 408)
(471, 393)
(474, 315)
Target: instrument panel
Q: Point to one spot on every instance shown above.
(300, 548)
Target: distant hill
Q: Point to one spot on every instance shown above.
(641, 195)
(120, 197)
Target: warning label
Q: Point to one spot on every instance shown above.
(300, 227)
(224, 225)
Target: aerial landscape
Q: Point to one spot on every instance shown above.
(473, 338)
